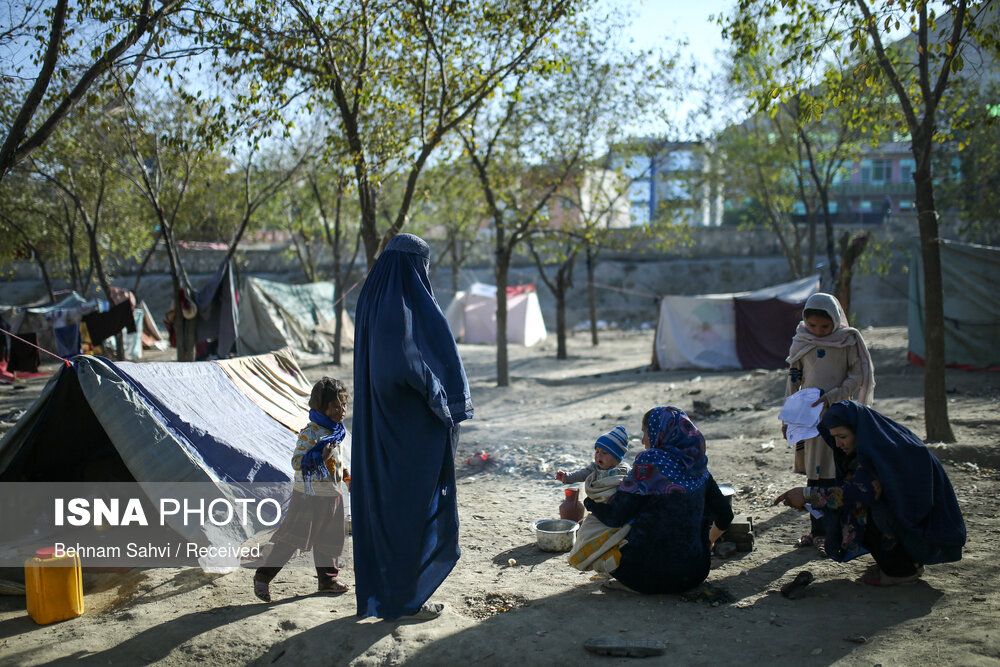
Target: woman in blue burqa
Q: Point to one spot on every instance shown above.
(891, 499)
(673, 504)
(410, 393)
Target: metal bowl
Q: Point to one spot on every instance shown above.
(727, 492)
(555, 534)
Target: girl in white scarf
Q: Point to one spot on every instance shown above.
(828, 354)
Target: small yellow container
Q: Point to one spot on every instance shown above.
(54, 586)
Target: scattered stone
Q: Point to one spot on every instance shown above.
(491, 604)
(794, 589)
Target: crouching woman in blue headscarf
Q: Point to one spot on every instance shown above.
(673, 504)
(892, 498)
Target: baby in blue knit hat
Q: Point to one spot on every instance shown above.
(609, 450)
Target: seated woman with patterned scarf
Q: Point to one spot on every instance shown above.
(673, 504)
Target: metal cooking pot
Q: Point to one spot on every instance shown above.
(555, 534)
(727, 492)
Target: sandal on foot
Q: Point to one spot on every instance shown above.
(262, 590)
(880, 578)
(794, 588)
(806, 540)
(820, 544)
(334, 586)
(619, 646)
(616, 585)
(427, 612)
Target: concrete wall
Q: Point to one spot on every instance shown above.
(718, 260)
(628, 291)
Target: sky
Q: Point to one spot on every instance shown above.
(662, 22)
(667, 23)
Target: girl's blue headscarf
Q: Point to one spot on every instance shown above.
(313, 466)
(914, 485)
(676, 460)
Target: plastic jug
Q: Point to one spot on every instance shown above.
(54, 586)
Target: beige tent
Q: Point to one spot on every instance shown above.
(275, 315)
(472, 315)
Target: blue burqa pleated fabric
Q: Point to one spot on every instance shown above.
(410, 393)
(918, 505)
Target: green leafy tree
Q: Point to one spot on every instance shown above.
(169, 156)
(333, 208)
(764, 173)
(527, 149)
(501, 141)
(64, 51)
(31, 226)
(919, 71)
(77, 163)
(968, 175)
(594, 208)
(450, 203)
(397, 76)
(797, 150)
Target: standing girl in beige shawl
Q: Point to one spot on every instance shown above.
(830, 355)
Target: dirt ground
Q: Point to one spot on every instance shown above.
(506, 601)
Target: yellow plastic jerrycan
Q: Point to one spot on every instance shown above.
(54, 586)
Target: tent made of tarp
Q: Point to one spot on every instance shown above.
(736, 330)
(472, 315)
(969, 276)
(230, 425)
(274, 315)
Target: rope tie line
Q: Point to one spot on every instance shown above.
(626, 291)
(51, 354)
(349, 290)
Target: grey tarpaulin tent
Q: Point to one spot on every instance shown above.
(274, 315)
(230, 425)
(969, 276)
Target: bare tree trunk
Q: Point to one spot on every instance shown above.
(849, 254)
(564, 280)
(184, 329)
(186, 333)
(502, 267)
(453, 249)
(338, 282)
(591, 297)
(561, 352)
(368, 200)
(340, 277)
(935, 395)
(811, 241)
(145, 261)
(831, 253)
(45, 272)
